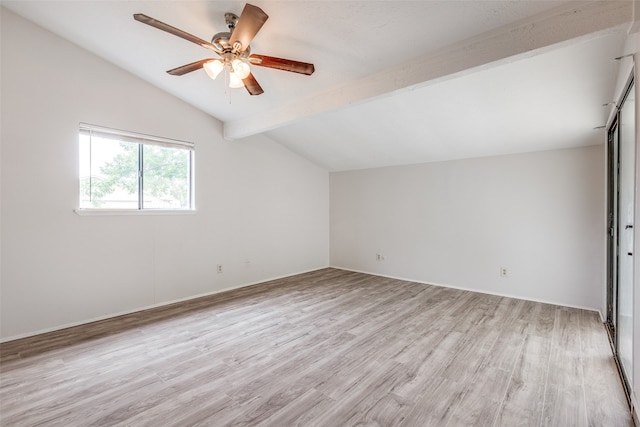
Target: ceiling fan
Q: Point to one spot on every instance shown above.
(233, 48)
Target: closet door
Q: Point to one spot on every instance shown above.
(612, 229)
(625, 250)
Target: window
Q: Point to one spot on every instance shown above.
(128, 171)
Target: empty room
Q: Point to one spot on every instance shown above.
(319, 213)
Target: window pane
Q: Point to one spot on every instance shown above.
(85, 170)
(165, 178)
(112, 179)
(126, 170)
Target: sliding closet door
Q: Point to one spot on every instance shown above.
(612, 225)
(626, 198)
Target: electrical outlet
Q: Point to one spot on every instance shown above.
(503, 271)
(219, 268)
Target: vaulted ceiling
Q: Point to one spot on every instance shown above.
(396, 82)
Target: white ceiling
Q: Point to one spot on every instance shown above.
(396, 82)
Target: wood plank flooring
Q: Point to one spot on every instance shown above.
(327, 348)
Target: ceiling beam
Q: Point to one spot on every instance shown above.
(522, 39)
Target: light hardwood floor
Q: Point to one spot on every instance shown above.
(327, 348)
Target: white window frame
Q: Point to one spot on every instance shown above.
(138, 138)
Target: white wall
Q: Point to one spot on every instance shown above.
(263, 212)
(540, 215)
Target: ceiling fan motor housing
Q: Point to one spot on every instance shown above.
(231, 19)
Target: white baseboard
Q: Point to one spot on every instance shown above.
(468, 289)
(148, 307)
(602, 319)
(164, 303)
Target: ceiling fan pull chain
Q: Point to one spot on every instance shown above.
(227, 78)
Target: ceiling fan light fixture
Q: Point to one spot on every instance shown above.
(235, 81)
(241, 68)
(234, 49)
(213, 68)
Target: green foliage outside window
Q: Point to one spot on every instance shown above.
(122, 174)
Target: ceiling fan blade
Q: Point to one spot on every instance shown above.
(252, 85)
(179, 71)
(172, 30)
(282, 64)
(249, 23)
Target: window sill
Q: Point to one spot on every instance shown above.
(99, 212)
